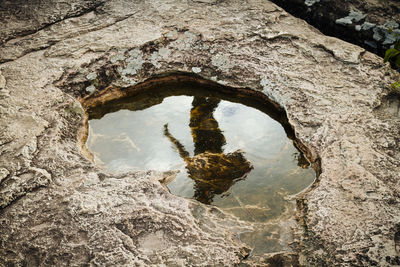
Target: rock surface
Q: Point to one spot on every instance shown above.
(368, 23)
(59, 209)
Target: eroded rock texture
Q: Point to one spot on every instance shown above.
(59, 209)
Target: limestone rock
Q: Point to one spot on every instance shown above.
(59, 209)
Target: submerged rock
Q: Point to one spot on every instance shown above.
(59, 209)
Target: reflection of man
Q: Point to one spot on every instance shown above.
(205, 131)
(213, 172)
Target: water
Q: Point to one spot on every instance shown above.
(229, 155)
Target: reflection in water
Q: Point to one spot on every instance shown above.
(212, 171)
(209, 134)
(302, 162)
(205, 131)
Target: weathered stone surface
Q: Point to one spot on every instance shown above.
(369, 23)
(19, 17)
(58, 208)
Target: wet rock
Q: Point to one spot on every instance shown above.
(370, 24)
(59, 209)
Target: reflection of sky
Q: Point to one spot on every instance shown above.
(134, 140)
(127, 140)
(249, 129)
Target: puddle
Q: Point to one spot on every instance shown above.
(231, 153)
